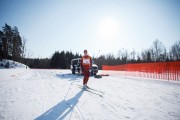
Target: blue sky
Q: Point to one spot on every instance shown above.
(96, 25)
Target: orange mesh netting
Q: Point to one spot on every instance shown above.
(158, 70)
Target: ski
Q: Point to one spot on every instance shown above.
(89, 88)
(92, 92)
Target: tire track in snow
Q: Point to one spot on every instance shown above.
(44, 86)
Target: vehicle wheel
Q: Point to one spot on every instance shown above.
(73, 71)
(92, 72)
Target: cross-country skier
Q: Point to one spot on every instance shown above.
(86, 63)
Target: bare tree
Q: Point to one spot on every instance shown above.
(165, 55)
(29, 54)
(121, 53)
(157, 50)
(133, 53)
(110, 59)
(147, 55)
(175, 50)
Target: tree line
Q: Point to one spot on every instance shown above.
(59, 60)
(13, 47)
(156, 53)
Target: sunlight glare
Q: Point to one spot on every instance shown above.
(108, 29)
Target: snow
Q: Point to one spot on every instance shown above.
(42, 94)
(12, 64)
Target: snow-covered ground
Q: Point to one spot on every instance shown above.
(27, 94)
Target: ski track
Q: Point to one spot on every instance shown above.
(54, 94)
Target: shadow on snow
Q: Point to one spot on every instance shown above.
(62, 109)
(68, 76)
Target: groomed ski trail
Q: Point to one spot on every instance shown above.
(53, 94)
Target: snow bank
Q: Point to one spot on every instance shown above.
(12, 64)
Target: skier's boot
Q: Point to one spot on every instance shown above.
(85, 86)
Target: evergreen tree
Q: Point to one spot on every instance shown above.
(7, 41)
(17, 45)
(55, 60)
(10, 43)
(62, 60)
(1, 45)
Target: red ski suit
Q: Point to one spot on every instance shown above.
(86, 63)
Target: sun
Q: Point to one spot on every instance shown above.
(108, 29)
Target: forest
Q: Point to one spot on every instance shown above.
(13, 47)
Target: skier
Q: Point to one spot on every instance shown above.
(86, 63)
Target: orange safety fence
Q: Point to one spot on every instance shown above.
(158, 70)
